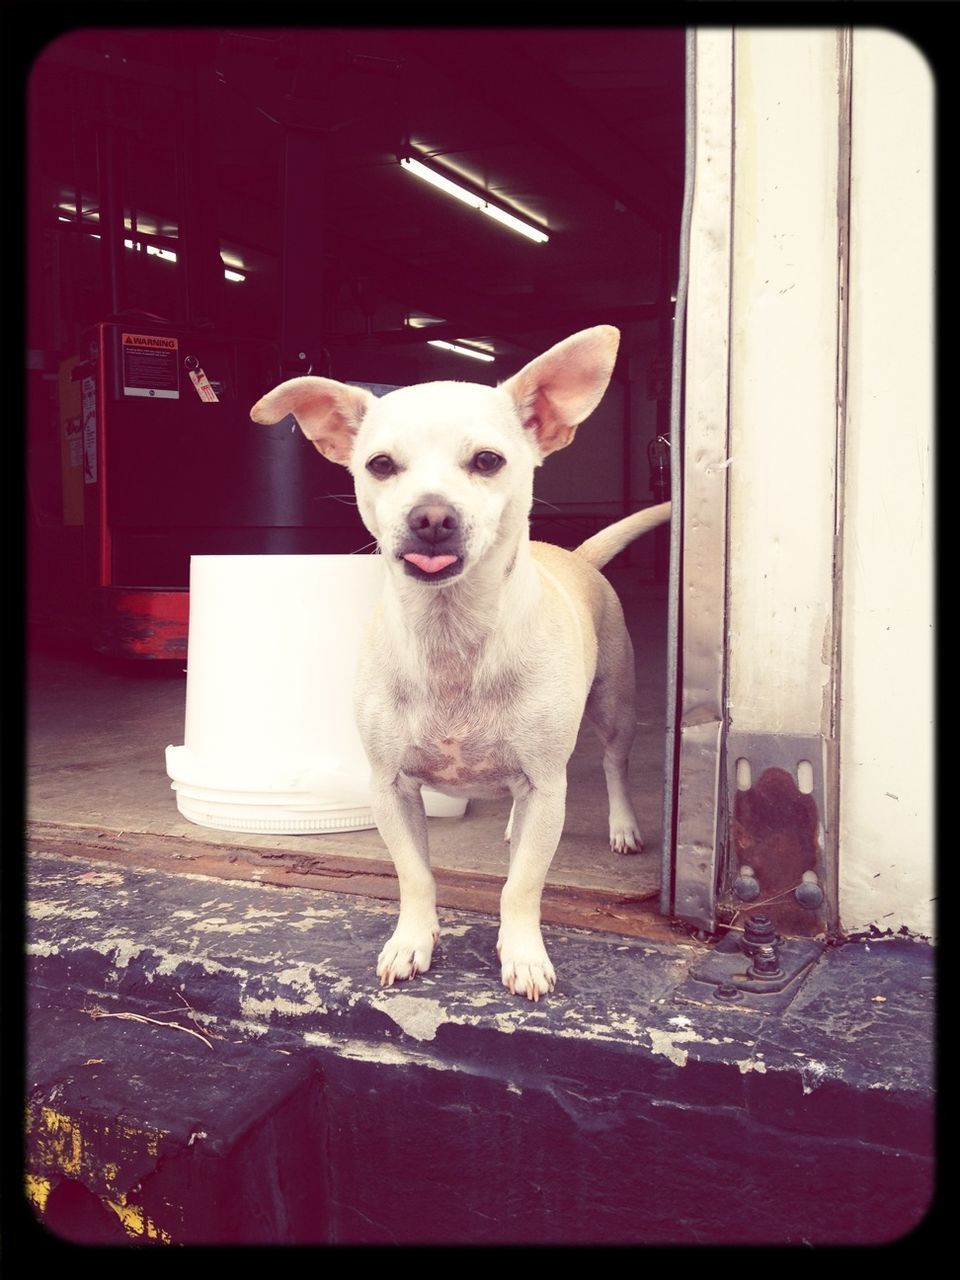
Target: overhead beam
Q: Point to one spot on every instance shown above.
(518, 321)
(551, 111)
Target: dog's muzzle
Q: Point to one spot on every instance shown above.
(433, 549)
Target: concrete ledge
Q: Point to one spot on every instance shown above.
(324, 1110)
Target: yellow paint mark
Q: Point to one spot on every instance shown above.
(66, 1142)
(60, 1146)
(38, 1189)
(148, 1139)
(132, 1217)
(135, 1222)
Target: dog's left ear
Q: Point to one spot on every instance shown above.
(555, 392)
(329, 413)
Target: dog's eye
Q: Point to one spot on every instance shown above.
(487, 462)
(382, 465)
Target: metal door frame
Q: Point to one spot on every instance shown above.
(757, 421)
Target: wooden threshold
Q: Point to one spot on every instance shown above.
(595, 909)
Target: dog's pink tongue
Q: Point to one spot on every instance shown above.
(429, 564)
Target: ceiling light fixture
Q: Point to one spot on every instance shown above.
(471, 198)
(460, 350)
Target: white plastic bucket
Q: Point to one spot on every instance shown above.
(270, 743)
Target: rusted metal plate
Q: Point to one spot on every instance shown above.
(778, 829)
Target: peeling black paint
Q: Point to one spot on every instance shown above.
(446, 1111)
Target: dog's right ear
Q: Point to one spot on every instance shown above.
(329, 413)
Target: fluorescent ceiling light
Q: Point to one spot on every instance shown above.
(423, 320)
(461, 351)
(443, 183)
(234, 275)
(435, 179)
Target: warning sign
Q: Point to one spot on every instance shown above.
(151, 366)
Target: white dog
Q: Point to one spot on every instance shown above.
(487, 649)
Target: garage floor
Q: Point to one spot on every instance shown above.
(96, 734)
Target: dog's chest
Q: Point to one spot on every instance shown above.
(462, 763)
(463, 747)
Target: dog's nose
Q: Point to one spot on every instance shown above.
(433, 520)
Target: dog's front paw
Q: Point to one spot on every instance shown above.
(407, 954)
(525, 968)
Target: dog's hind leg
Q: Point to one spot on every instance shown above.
(610, 710)
(402, 823)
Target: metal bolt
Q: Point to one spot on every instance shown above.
(759, 931)
(808, 892)
(746, 886)
(766, 964)
(761, 943)
(727, 991)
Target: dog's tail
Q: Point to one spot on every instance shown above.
(603, 546)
